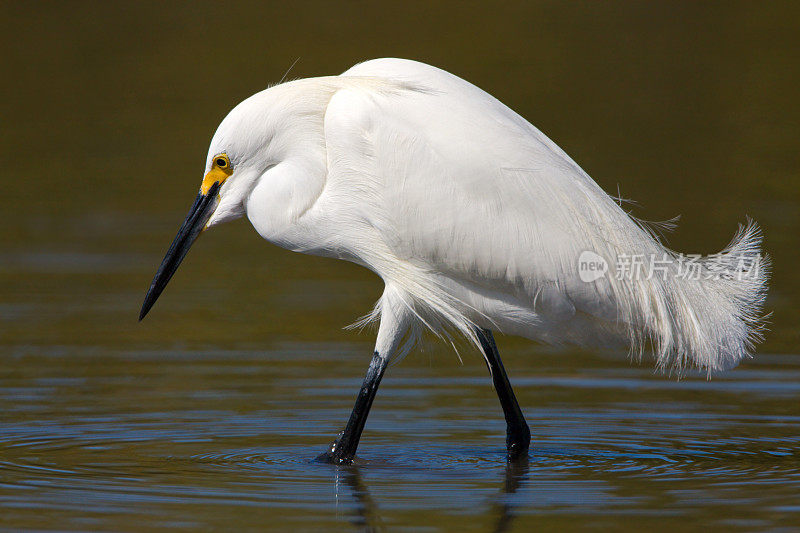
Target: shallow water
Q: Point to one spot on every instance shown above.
(208, 415)
(226, 438)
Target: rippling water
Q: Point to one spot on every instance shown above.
(227, 439)
(210, 413)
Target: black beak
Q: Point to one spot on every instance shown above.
(201, 210)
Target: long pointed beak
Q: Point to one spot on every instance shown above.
(201, 210)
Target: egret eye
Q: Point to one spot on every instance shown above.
(221, 162)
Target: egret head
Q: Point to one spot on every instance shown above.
(238, 155)
(277, 128)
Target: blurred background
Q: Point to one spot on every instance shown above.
(106, 111)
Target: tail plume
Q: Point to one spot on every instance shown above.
(705, 311)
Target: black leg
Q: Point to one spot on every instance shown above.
(343, 448)
(518, 436)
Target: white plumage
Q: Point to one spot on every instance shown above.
(471, 216)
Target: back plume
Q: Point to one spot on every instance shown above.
(481, 220)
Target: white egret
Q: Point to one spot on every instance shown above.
(475, 221)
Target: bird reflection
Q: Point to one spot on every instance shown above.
(516, 474)
(366, 515)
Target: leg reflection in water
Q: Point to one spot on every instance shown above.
(516, 474)
(366, 517)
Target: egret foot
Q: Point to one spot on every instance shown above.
(336, 454)
(518, 442)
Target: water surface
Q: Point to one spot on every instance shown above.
(116, 439)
